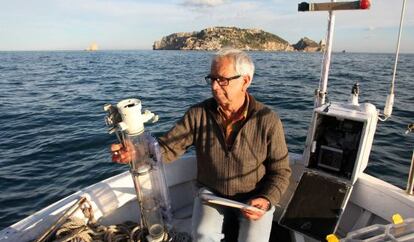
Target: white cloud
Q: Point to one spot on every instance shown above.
(130, 23)
(203, 3)
(119, 8)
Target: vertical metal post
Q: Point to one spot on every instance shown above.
(398, 45)
(410, 182)
(323, 83)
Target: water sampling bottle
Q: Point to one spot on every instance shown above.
(127, 122)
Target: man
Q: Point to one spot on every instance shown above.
(240, 148)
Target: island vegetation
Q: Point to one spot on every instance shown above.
(215, 38)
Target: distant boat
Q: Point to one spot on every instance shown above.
(343, 51)
(92, 47)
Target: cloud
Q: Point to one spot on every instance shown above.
(131, 23)
(203, 3)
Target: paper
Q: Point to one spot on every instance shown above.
(227, 202)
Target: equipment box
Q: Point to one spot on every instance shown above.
(336, 152)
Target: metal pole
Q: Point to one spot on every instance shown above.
(71, 210)
(398, 46)
(323, 84)
(410, 183)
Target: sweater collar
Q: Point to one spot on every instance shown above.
(212, 105)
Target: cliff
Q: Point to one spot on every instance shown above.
(218, 37)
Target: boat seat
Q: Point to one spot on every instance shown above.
(182, 197)
(182, 218)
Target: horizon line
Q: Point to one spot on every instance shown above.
(138, 49)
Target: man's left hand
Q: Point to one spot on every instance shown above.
(261, 203)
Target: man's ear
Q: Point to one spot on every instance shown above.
(246, 82)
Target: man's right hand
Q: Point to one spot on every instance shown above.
(121, 154)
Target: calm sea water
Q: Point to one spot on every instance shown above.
(54, 141)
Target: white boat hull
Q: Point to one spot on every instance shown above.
(372, 201)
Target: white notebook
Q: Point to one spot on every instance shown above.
(227, 202)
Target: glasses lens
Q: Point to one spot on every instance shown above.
(222, 81)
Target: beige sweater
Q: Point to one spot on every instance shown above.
(256, 165)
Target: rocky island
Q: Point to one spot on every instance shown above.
(215, 38)
(307, 45)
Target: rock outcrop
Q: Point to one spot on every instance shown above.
(307, 45)
(218, 37)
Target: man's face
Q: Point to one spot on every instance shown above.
(232, 93)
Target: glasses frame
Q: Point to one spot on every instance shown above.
(221, 80)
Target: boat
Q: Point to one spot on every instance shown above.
(356, 205)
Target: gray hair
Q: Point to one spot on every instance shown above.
(242, 62)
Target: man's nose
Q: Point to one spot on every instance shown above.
(215, 85)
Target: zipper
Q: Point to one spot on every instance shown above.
(223, 139)
(226, 150)
(240, 130)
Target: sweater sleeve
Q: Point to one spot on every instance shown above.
(176, 141)
(277, 164)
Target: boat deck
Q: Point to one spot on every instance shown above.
(372, 201)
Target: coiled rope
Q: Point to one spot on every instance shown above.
(72, 229)
(76, 230)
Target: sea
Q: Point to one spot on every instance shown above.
(54, 140)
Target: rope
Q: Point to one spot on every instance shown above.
(88, 230)
(77, 230)
(73, 230)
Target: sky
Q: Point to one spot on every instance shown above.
(136, 24)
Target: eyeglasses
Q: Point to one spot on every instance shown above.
(221, 80)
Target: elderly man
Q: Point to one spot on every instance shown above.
(241, 151)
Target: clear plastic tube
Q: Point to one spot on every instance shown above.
(148, 174)
(146, 167)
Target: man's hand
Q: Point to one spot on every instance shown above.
(121, 154)
(261, 203)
